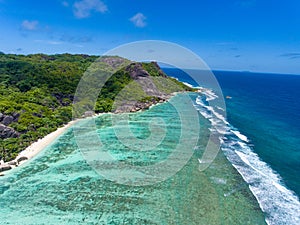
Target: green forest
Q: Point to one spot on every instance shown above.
(37, 92)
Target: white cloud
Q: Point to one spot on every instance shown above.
(138, 20)
(29, 25)
(83, 8)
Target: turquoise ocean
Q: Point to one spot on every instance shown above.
(252, 180)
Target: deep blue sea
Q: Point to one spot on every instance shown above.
(265, 107)
(264, 110)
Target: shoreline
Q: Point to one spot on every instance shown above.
(95, 192)
(34, 149)
(40, 144)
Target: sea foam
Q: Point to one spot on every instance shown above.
(279, 204)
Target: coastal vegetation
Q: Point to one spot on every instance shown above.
(37, 92)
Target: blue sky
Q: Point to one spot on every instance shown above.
(252, 35)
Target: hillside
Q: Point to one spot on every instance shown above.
(37, 92)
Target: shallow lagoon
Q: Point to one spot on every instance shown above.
(58, 186)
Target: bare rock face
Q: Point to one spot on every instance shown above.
(8, 132)
(113, 62)
(161, 73)
(89, 113)
(16, 116)
(149, 87)
(136, 70)
(22, 158)
(5, 167)
(12, 163)
(141, 76)
(7, 120)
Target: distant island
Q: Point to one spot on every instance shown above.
(37, 93)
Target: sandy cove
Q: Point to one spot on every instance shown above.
(42, 143)
(35, 148)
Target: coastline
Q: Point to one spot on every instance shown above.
(35, 148)
(238, 138)
(66, 178)
(40, 144)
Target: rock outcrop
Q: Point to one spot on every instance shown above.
(8, 119)
(113, 62)
(141, 76)
(8, 132)
(5, 130)
(161, 73)
(136, 71)
(5, 167)
(21, 158)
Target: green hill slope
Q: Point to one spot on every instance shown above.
(37, 92)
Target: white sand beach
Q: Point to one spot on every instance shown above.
(40, 144)
(34, 148)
